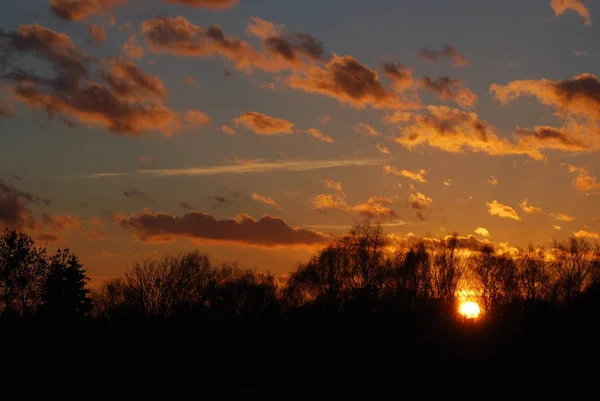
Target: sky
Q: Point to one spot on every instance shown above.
(260, 130)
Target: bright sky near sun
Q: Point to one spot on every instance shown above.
(257, 130)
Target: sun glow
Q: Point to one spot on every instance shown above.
(470, 310)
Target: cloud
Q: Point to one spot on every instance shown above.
(557, 227)
(279, 50)
(220, 199)
(335, 185)
(14, 214)
(446, 52)
(373, 207)
(482, 231)
(96, 33)
(265, 200)
(318, 134)
(381, 149)
(228, 130)
(578, 96)
(344, 78)
(493, 181)
(527, 208)
(132, 49)
(185, 205)
(77, 10)
(586, 234)
(367, 130)
(135, 193)
(419, 201)
(263, 124)
(456, 131)
(325, 119)
(584, 181)
(562, 217)
(446, 88)
(233, 192)
(448, 182)
(144, 159)
(545, 137)
(560, 6)
(269, 231)
(251, 168)
(209, 4)
(400, 76)
(287, 49)
(418, 175)
(9, 190)
(500, 210)
(127, 102)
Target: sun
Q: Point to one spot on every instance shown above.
(470, 310)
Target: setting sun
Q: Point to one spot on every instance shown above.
(470, 310)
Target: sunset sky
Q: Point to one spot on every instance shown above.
(258, 130)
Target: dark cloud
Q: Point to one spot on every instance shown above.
(135, 193)
(9, 190)
(185, 205)
(446, 88)
(209, 4)
(128, 102)
(349, 81)
(269, 231)
(219, 199)
(14, 214)
(76, 10)
(446, 52)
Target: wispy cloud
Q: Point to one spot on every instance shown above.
(258, 167)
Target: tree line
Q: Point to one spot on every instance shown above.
(365, 272)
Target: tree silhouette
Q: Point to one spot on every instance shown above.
(23, 269)
(65, 293)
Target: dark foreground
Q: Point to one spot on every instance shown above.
(302, 355)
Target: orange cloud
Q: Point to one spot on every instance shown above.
(482, 231)
(400, 76)
(367, 130)
(562, 217)
(263, 124)
(497, 209)
(318, 134)
(419, 201)
(560, 6)
(584, 181)
(493, 181)
(228, 130)
(96, 32)
(265, 200)
(578, 96)
(446, 88)
(586, 234)
(14, 214)
(527, 208)
(413, 175)
(447, 52)
(456, 131)
(373, 207)
(132, 49)
(347, 80)
(269, 231)
(384, 150)
(76, 10)
(210, 4)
